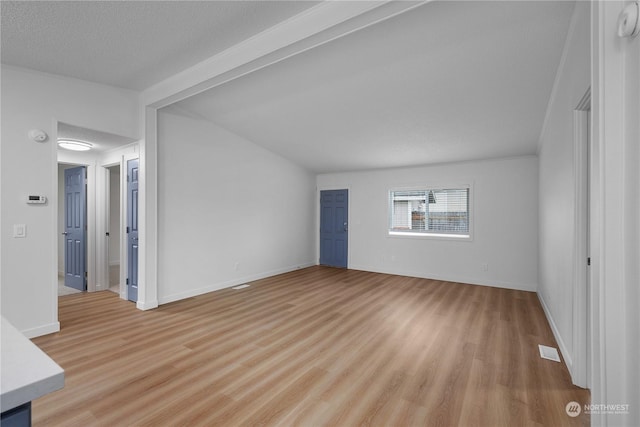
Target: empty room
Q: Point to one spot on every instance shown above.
(340, 213)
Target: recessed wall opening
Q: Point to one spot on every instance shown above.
(102, 253)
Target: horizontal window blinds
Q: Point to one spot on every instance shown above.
(430, 211)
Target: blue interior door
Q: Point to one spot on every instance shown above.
(334, 227)
(132, 229)
(75, 229)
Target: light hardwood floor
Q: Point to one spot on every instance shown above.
(318, 346)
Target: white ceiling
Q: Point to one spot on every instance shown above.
(101, 141)
(448, 81)
(130, 44)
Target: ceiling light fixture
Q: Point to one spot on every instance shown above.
(74, 145)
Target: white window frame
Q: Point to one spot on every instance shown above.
(426, 234)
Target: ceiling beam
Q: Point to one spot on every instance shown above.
(318, 25)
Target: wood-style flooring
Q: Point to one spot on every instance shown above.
(317, 346)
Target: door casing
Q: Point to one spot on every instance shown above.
(75, 228)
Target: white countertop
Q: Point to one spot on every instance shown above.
(26, 372)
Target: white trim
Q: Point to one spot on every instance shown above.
(556, 333)
(430, 236)
(613, 249)
(124, 248)
(528, 287)
(231, 283)
(119, 156)
(44, 329)
(102, 221)
(90, 161)
(434, 236)
(580, 157)
(54, 242)
(145, 305)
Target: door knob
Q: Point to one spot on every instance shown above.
(64, 233)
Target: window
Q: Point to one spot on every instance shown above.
(432, 211)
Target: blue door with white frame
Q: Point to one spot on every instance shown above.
(132, 229)
(334, 227)
(75, 228)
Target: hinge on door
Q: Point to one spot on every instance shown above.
(589, 261)
(127, 229)
(127, 281)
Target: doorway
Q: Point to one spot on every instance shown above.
(133, 169)
(113, 226)
(334, 228)
(582, 256)
(75, 228)
(65, 265)
(103, 164)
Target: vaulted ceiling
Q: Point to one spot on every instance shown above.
(446, 81)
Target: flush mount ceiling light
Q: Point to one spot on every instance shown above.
(74, 145)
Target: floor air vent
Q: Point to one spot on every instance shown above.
(549, 353)
(241, 287)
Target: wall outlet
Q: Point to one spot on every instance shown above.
(485, 267)
(19, 231)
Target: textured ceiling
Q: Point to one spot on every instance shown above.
(130, 44)
(448, 81)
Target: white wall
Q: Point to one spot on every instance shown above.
(228, 210)
(632, 227)
(504, 215)
(557, 184)
(114, 215)
(36, 100)
(615, 294)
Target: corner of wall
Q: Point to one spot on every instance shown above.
(42, 330)
(556, 333)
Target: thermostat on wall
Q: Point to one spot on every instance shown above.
(37, 200)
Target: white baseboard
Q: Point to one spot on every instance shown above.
(41, 330)
(230, 283)
(146, 305)
(563, 348)
(529, 287)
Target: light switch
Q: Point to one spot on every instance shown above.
(19, 230)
